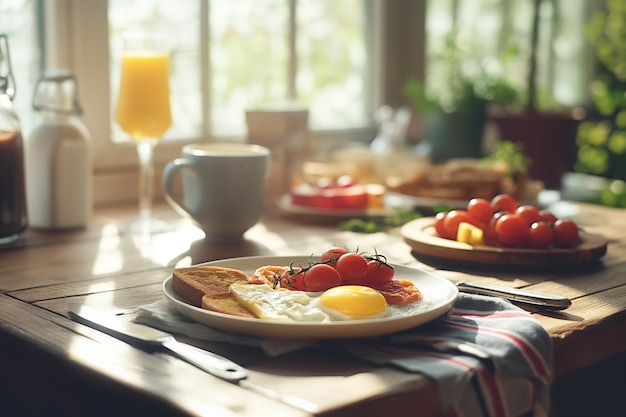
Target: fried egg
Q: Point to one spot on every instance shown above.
(349, 302)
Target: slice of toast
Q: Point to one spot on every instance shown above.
(225, 303)
(193, 283)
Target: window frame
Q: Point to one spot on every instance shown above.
(76, 33)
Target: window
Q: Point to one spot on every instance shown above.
(18, 20)
(228, 56)
(496, 34)
(248, 61)
(340, 59)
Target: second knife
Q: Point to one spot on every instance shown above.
(149, 337)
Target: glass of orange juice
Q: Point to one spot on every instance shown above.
(143, 111)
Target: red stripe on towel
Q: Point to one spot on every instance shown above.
(534, 359)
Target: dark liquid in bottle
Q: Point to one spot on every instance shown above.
(13, 218)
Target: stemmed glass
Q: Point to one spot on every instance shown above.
(143, 111)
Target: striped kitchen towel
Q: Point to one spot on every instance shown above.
(488, 357)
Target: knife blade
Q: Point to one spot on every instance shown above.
(151, 338)
(539, 299)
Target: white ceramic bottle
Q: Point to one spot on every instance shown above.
(57, 156)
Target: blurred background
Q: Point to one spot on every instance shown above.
(514, 60)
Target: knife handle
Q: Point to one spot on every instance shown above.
(212, 363)
(515, 294)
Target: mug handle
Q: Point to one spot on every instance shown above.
(169, 173)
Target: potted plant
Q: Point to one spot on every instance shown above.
(547, 137)
(601, 139)
(454, 102)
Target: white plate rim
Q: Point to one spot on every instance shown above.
(407, 200)
(286, 206)
(439, 292)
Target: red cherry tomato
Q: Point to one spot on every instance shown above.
(565, 233)
(540, 235)
(321, 277)
(454, 218)
(304, 196)
(489, 230)
(331, 255)
(547, 216)
(511, 230)
(504, 202)
(378, 273)
(530, 214)
(480, 209)
(293, 279)
(352, 197)
(352, 267)
(439, 228)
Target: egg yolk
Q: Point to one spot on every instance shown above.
(354, 300)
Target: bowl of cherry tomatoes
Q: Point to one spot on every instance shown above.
(501, 231)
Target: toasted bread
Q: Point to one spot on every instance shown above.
(193, 283)
(225, 303)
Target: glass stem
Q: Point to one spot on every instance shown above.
(145, 151)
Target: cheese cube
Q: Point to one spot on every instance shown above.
(470, 234)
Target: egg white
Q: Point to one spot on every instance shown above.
(300, 306)
(268, 303)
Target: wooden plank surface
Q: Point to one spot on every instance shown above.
(166, 380)
(105, 266)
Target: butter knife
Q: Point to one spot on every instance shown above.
(150, 338)
(539, 299)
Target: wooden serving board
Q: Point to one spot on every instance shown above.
(421, 236)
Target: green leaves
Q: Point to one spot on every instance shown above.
(373, 225)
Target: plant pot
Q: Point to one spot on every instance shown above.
(455, 135)
(547, 138)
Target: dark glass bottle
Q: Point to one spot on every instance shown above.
(13, 219)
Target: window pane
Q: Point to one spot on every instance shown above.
(18, 22)
(494, 27)
(333, 62)
(179, 21)
(249, 56)
(248, 60)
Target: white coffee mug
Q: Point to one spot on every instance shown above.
(223, 187)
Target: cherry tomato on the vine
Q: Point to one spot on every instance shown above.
(565, 233)
(378, 272)
(293, 279)
(480, 209)
(511, 230)
(540, 235)
(331, 255)
(321, 277)
(504, 202)
(352, 267)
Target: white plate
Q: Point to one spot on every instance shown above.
(439, 295)
(424, 202)
(286, 206)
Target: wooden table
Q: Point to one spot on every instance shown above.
(54, 366)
